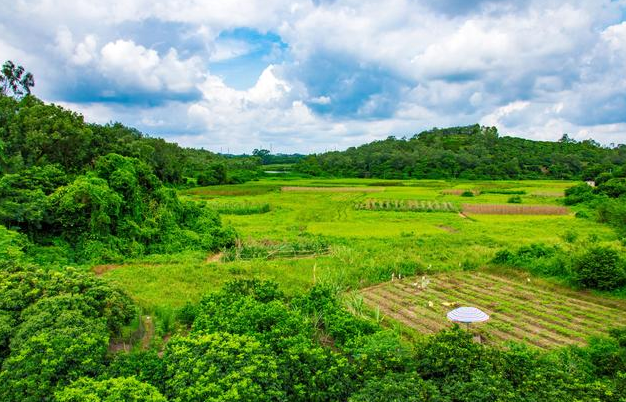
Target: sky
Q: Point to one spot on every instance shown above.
(315, 75)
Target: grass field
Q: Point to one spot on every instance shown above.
(520, 308)
(367, 246)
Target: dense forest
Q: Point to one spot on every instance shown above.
(72, 192)
(471, 152)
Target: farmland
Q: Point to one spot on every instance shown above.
(366, 246)
(521, 309)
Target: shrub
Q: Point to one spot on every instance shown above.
(599, 268)
(113, 389)
(398, 388)
(467, 194)
(579, 193)
(516, 199)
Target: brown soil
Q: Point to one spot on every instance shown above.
(217, 257)
(101, 269)
(448, 229)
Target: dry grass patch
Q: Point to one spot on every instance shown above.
(505, 209)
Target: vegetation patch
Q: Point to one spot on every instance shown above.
(331, 189)
(406, 205)
(268, 250)
(493, 209)
(461, 192)
(240, 208)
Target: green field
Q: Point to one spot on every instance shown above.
(366, 246)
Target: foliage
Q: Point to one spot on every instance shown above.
(538, 258)
(471, 152)
(600, 268)
(516, 199)
(54, 328)
(409, 387)
(220, 366)
(14, 80)
(110, 390)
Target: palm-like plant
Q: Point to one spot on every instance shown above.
(15, 81)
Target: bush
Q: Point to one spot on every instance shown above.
(114, 389)
(516, 199)
(467, 194)
(599, 268)
(579, 193)
(398, 388)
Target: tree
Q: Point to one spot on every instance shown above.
(15, 80)
(220, 367)
(119, 389)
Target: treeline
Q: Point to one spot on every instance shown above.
(79, 192)
(605, 201)
(36, 134)
(471, 152)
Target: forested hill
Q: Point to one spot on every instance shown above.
(471, 152)
(36, 134)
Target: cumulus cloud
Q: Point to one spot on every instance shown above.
(315, 75)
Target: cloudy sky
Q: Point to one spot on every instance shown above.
(315, 75)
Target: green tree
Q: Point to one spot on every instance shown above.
(15, 81)
(220, 367)
(119, 389)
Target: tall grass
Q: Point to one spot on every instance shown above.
(406, 205)
(241, 208)
(265, 251)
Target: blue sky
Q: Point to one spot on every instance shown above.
(307, 76)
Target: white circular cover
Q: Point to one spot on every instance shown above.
(467, 315)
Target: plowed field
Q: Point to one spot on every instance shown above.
(521, 309)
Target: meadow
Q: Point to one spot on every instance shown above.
(356, 247)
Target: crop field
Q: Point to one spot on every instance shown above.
(406, 205)
(520, 309)
(317, 234)
(490, 209)
(331, 189)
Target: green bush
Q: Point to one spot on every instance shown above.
(578, 194)
(467, 193)
(113, 389)
(516, 199)
(406, 387)
(599, 268)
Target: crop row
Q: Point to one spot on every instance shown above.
(521, 311)
(406, 205)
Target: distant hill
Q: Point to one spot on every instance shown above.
(471, 152)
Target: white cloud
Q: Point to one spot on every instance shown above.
(133, 65)
(536, 68)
